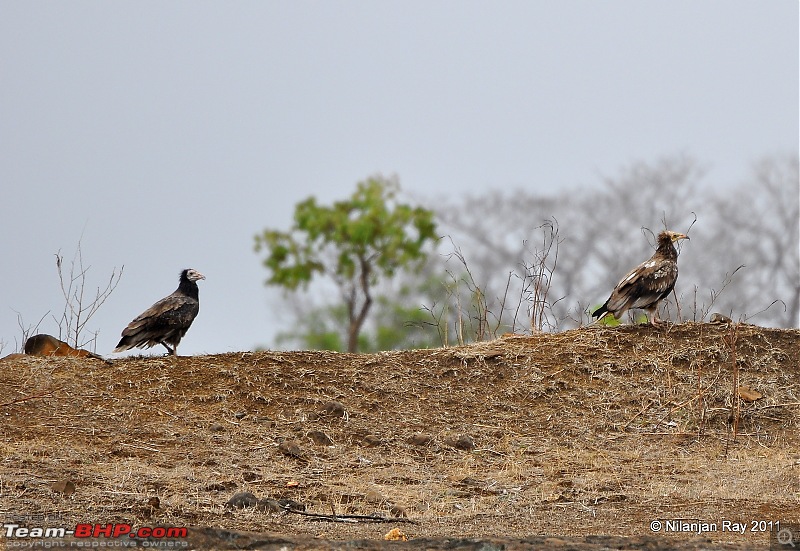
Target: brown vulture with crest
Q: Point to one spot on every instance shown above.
(647, 284)
(166, 321)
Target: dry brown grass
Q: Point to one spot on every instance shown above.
(591, 431)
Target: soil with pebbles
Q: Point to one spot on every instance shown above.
(574, 440)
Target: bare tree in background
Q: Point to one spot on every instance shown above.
(756, 225)
(476, 284)
(605, 232)
(600, 231)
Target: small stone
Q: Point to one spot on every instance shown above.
(239, 415)
(291, 504)
(269, 505)
(420, 439)
(398, 511)
(748, 394)
(242, 500)
(334, 409)
(221, 486)
(421, 506)
(716, 317)
(370, 441)
(216, 427)
(320, 438)
(250, 476)
(66, 487)
(465, 443)
(360, 462)
(290, 448)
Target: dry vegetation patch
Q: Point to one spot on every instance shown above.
(590, 431)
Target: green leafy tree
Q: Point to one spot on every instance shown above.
(356, 243)
(395, 323)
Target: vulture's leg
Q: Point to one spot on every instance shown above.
(170, 351)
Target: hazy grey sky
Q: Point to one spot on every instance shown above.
(168, 133)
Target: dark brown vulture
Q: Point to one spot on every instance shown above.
(647, 284)
(166, 321)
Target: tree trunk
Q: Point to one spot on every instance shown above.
(356, 322)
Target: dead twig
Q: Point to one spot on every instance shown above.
(347, 518)
(26, 398)
(789, 404)
(641, 411)
(733, 418)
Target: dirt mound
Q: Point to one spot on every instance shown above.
(588, 432)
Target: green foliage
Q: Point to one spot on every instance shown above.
(318, 329)
(607, 320)
(394, 325)
(370, 227)
(611, 321)
(400, 327)
(356, 243)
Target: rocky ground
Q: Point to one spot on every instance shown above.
(585, 439)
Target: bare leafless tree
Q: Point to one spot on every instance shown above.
(756, 225)
(606, 231)
(79, 305)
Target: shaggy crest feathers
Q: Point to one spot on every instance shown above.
(647, 284)
(166, 321)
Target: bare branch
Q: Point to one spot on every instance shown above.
(78, 309)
